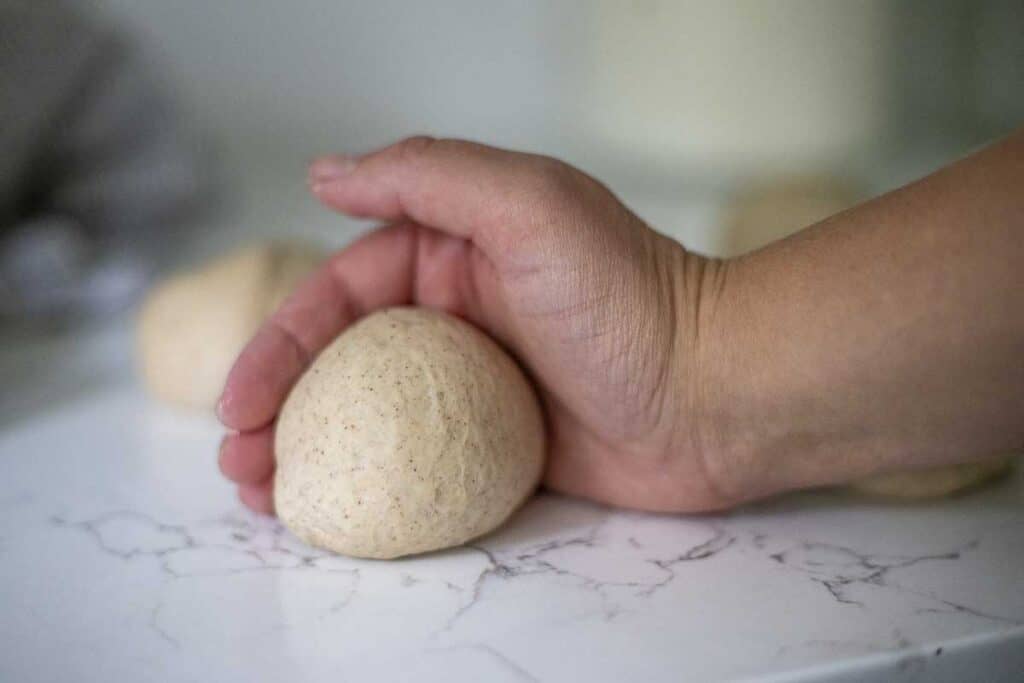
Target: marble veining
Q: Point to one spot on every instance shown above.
(242, 542)
(122, 546)
(837, 568)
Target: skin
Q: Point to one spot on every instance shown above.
(888, 336)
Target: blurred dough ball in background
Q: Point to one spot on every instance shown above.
(192, 326)
(761, 212)
(933, 481)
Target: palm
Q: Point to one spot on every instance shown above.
(598, 341)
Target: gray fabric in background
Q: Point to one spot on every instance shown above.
(97, 172)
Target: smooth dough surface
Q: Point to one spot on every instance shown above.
(932, 482)
(192, 326)
(412, 431)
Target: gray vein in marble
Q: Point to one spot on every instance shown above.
(220, 547)
(838, 568)
(224, 546)
(713, 546)
(896, 641)
(154, 625)
(522, 563)
(240, 543)
(503, 660)
(959, 608)
(160, 538)
(494, 568)
(353, 590)
(532, 560)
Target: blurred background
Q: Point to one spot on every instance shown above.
(137, 136)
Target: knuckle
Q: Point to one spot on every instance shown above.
(557, 197)
(549, 201)
(560, 190)
(413, 148)
(558, 180)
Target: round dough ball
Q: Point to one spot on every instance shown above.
(412, 431)
(932, 482)
(192, 326)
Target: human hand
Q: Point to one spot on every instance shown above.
(600, 310)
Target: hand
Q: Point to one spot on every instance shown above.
(598, 308)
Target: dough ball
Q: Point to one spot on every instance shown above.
(192, 326)
(932, 482)
(761, 213)
(412, 431)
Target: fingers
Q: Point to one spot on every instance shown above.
(496, 198)
(261, 377)
(248, 457)
(374, 272)
(248, 460)
(258, 497)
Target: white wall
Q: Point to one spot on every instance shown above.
(278, 81)
(319, 74)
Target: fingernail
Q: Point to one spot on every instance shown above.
(219, 409)
(326, 169)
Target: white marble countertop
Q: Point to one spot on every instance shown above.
(125, 557)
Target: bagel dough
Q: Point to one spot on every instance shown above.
(932, 482)
(192, 326)
(412, 431)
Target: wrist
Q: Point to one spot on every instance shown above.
(704, 445)
(704, 286)
(742, 417)
(764, 389)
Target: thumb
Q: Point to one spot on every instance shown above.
(504, 202)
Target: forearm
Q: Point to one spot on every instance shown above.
(890, 335)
